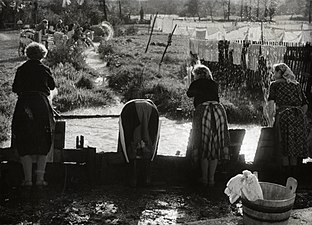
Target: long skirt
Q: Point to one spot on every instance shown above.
(32, 125)
(291, 129)
(209, 135)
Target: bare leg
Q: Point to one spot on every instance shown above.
(41, 165)
(212, 170)
(133, 173)
(204, 169)
(27, 168)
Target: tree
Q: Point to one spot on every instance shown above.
(209, 8)
(192, 8)
(272, 9)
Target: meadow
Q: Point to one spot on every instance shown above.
(134, 72)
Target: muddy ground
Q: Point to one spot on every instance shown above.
(161, 203)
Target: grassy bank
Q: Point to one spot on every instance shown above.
(135, 73)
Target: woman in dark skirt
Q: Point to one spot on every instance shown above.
(33, 122)
(287, 105)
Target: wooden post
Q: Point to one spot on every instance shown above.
(149, 39)
(310, 12)
(90, 163)
(168, 44)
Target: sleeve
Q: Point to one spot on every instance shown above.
(193, 90)
(272, 92)
(51, 82)
(304, 100)
(16, 87)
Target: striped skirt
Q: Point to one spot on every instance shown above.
(209, 133)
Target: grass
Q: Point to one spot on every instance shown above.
(135, 73)
(75, 82)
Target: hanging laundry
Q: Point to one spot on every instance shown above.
(211, 51)
(236, 49)
(80, 2)
(193, 46)
(253, 56)
(66, 3)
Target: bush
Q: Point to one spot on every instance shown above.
(98, 30)
(66, 53)
(131, 30)
(76, 89)
(5, 122)
(106, 48)
(85, 82)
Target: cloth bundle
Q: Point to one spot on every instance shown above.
(246, 183)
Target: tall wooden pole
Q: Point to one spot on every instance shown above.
(104, 9)
(229, 9)
(149, 39)
(310, 11)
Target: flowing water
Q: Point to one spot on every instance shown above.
(102, 133)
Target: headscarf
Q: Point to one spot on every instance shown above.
(201, 71)
(287, 74)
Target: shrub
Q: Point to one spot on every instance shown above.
(98, 30)
(131, 30)
(85, 82)
(5, 122)
(76, 89)
(106, 48)
(66, 53)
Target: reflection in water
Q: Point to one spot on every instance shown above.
(102, 133)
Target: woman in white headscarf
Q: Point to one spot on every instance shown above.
(287, 106)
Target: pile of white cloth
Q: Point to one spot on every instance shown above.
(246, 183)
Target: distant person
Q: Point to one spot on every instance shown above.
(209, 138)
(33, 122)
(59, 26)
(287, 108)
(138, 137)
(42, 31)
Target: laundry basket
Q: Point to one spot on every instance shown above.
(276, 206)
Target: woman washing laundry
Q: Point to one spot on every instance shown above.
(209, 137)
(33, 122)
(287, 105)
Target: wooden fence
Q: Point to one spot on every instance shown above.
(297, 56)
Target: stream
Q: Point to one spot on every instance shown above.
(102, 133)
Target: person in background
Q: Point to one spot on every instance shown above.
(138, 137)
(59, 27)
(209, 138)
(42, 31)
(287, 108)
(33, 122)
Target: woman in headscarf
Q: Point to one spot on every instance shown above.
(287, 107)
(33, 122)
(209, 137)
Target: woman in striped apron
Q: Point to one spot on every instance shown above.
(209, 137)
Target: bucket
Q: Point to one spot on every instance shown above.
(265, 153)
(276, 206)
(59, 134)
(236, 140)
